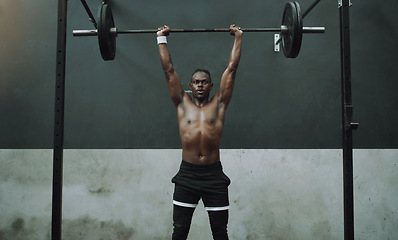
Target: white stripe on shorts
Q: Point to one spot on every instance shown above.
(181, 204)
(217, 208)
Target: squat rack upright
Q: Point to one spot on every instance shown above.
(347, 115)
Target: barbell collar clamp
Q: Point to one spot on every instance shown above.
(284, 29)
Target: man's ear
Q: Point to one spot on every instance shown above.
(190, 86)
(211, 86)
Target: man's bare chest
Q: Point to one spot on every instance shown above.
(200, 125)
(204, 115)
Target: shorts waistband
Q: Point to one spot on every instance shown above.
(205, 168)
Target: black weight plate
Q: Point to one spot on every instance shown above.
(289, 19)
(106, 40)
(299, 31)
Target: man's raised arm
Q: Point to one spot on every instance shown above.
(228, 77)
(172, 78)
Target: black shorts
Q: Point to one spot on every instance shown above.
(208, 182)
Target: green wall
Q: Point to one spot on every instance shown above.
(277, 102)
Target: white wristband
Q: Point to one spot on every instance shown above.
(162, 39)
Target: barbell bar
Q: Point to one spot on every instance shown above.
(291, 30)
(115, 31)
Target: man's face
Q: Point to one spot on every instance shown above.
(200, 85)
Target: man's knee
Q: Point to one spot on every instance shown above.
(182, 217)
(181, 230)
(218, 223)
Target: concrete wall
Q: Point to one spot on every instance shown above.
(127, 194)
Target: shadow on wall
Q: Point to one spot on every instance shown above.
(88, 228)
(79, 229)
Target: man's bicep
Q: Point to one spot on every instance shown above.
(175, 88)
(227, 86)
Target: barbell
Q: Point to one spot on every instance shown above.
(291, 30)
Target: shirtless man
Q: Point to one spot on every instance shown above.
(201, 123)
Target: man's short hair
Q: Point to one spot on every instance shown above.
(201, 70)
